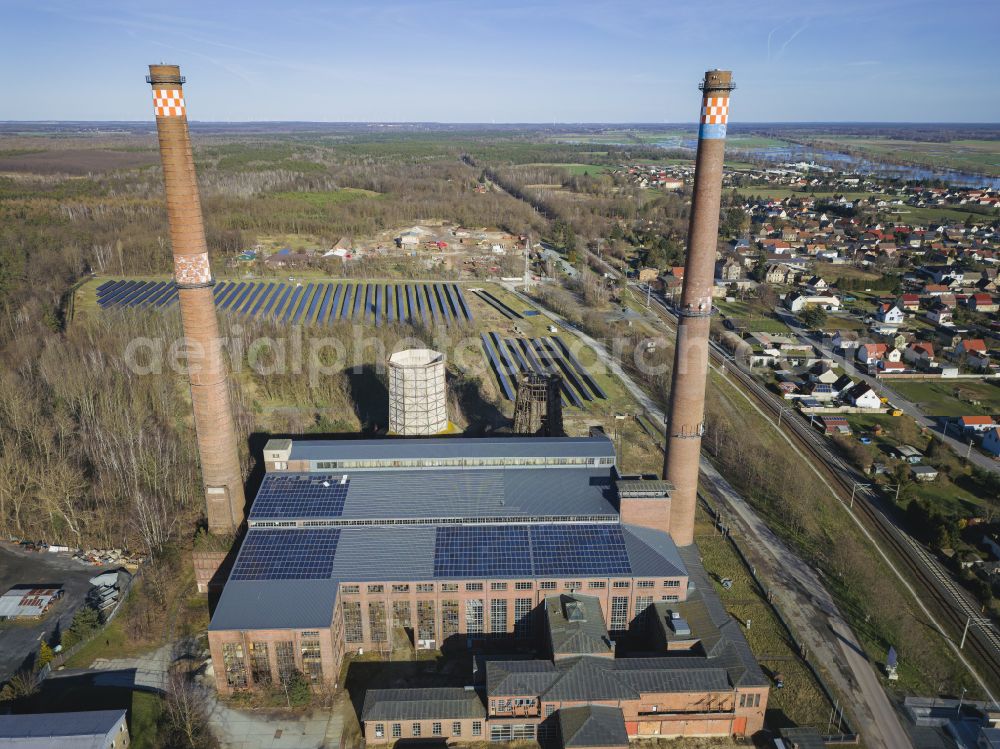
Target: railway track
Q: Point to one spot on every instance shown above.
(946, 597)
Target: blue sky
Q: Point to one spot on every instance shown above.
(506, 60)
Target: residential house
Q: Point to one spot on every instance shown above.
(919, 352)
(845, 340)
(974, 424)
(862, 396)
(729, 270)
(779, 273)
(871, 353)
(982, 303)
(890, 314)
(908, 302)
(923, 473)
(940, 314)
(971, 347)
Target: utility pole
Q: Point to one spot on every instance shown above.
(858, 485)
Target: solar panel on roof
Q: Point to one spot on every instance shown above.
(585, 549)
(482, 551)
(300, 496)
(285, 554)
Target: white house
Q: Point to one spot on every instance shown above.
(862, 396)
(890, 314)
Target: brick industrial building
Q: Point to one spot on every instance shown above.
(529, 544)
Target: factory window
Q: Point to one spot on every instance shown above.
(498, 616)
(642, 604)
(473, 586)
(477, 728)
(671, 599)
(436, 729)
(574, 585)
(449, 619)
(379, 730)
(312, 660)
(377, 588)
(397, 730)
(522, 618)
(597, 585)
(671, 583)
(284, 654)
(456, 728)
(235, 665)
(376, 620)
(425, 587)
(353, 631)
(425, 620)
(401, 614)
(498, 586)
(449, 587)
(280, 465)
(260, 664)
(619, 613)
(547, 585)
(549, 709)
(474, 616)
(310, 633)
(350, 589)
(401, 588)
(622, 584)
(415, 729)
(645, 584)
(524, 586)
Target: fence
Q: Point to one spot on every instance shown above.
(65, 655)
(848, 735)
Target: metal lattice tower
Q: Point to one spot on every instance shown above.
(538, 408)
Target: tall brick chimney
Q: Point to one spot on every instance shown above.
(213, 417)
(686, 421)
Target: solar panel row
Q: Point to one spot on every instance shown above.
(554, 550)
(300, 496)
(510, 356)
(314, 303)
(282, 554)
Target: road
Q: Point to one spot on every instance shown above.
(832, 642)
(881, 386)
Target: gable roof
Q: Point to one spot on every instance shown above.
(86, 729)
(422, 704)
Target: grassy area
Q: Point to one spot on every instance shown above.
(958, 398)
(776, 192)
(742, 315)
(578, 169)
(936, 215)
(801, 701)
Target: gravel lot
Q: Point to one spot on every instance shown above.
(20, 639)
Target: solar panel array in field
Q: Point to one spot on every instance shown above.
(510, 356)
(315, 303)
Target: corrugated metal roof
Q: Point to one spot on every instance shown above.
(422, 704)
(594, 678)
(386, 553)
(580, 632)
(76, 730)
(453, 447)
(431, 493)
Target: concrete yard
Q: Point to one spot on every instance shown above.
(19, 640)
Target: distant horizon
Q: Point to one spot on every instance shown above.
(513, 123)
(476, 61)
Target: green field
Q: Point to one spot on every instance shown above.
(742, 316)
(952, 398)
(578, 169)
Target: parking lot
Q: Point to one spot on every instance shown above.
(19, 639)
